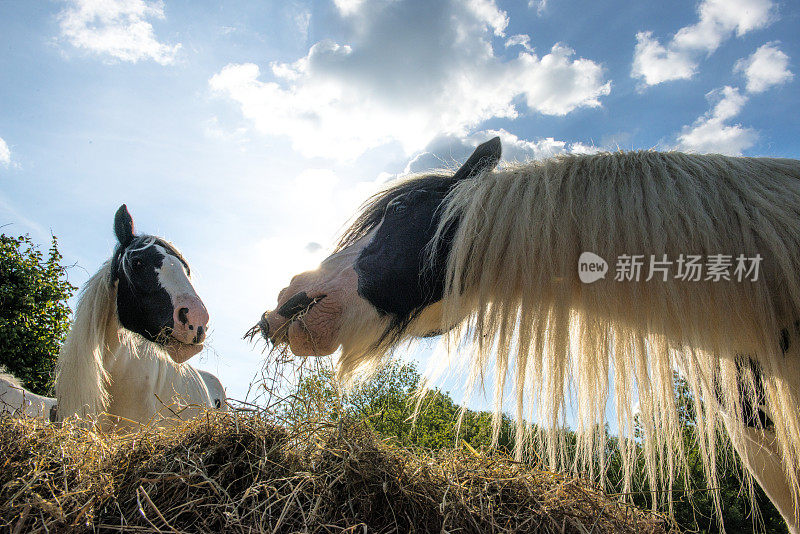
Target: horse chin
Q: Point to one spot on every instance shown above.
(303, 343)
(316, 333)
(181, 352)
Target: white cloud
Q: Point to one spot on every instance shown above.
(656, 64)
(711, 133)
(718, 20)
(406, 73)
(766, 67)
(581, 148)
(118, 28)
(302, 19)
(5, 153)
(540, 5)
(519, 40)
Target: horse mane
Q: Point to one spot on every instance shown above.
(512, 285)
(81, 378)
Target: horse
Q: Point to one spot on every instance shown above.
(138, 319)
(16, 400)
(511, 267)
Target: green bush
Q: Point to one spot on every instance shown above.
(34, 315)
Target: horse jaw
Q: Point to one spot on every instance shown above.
(180, 352)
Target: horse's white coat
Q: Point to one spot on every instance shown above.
(103, 368)
(14, 399)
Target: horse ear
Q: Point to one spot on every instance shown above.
(485, 158)
(123, 226)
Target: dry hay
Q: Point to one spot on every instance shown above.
(241, 473)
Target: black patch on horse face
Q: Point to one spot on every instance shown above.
(393, 270)
(143, 305)
(393, 274)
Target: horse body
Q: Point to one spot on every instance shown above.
(491, 258)
(15, 400)
(150, 389)
(137, 320)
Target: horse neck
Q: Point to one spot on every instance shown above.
(144, 379)
(81, 379)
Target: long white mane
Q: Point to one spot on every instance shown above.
(513, 287)
(81, 377)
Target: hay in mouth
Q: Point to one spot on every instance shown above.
(280, 338)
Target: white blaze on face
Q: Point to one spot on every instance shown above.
(190, 317)
(172, 275)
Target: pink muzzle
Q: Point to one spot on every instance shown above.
(190, 320)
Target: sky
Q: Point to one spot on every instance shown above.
(248, 133)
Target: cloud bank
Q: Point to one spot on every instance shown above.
(409, 71)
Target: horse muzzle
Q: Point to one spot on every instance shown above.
(190, 320)
(274, 325)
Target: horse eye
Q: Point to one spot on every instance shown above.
(217, 403)
(397, 206)
(137, 263)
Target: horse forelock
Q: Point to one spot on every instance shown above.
(372, 211)
(121, 259)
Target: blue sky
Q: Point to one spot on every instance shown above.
(249, 132)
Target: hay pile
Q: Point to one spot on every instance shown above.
(240, 473)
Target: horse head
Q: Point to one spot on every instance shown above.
(384, 279)
(155, 296)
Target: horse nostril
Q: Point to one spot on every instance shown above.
(298, 303)
(183, 315)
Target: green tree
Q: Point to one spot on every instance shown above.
(34, 315)
(387, 402)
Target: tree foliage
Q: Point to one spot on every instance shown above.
(387, 403)
(34, 315)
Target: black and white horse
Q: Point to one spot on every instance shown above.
(137, 321)
(491, 259)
